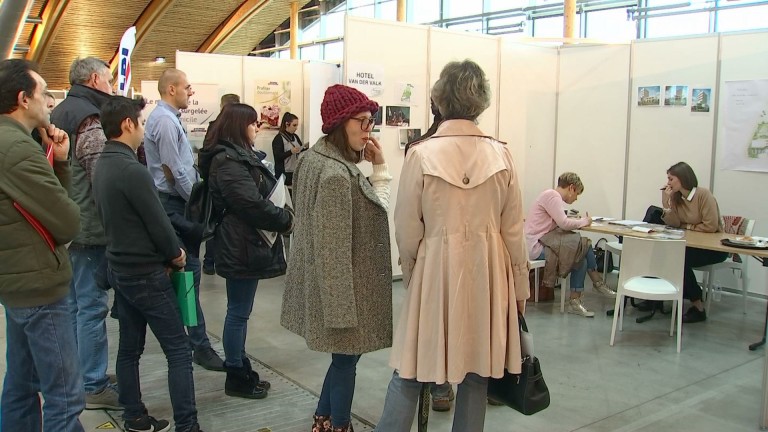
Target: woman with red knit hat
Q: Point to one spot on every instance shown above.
(338, 291)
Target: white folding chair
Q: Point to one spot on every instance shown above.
(729, 264)
(610, 247)
(537, 265)
(652, 269)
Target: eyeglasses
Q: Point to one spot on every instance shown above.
(365, 122)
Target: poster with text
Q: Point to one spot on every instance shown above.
(203, 108)
(745, 126)
(273, 99)
(368, 78)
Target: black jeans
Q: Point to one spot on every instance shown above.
(150, 299)
(697, 258)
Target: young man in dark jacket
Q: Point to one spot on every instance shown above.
(142, 248)
(35, 271)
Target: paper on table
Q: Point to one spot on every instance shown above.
(643, 229)
(601, 218)
(628, 223)
(279, 197)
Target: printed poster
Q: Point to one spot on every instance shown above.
(273, 99)
(368, 78)
(745, 126)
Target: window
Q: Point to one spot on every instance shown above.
(746, 18)
(460, 8)
(677, 25)
(387, 10)
(361, 8)
(311, 52)
(423, 11)
(334, 24)
(334, 51)
(610, 24)
(552, 27)
(476, 26)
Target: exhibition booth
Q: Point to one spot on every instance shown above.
(617, 114)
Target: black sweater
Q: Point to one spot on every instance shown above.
(140, 237)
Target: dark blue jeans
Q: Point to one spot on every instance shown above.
(209, 261)
(144, 300)
(174, 207)
(41, 357)
(339, 389)
(240, 295)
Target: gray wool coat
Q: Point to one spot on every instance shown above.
(338, 289)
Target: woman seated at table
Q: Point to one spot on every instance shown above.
(694, 208)
(548, 236)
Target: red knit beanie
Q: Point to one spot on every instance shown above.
(341, 103)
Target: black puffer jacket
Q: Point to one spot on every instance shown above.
(239, 184)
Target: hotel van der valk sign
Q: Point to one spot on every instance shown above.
(368, 78)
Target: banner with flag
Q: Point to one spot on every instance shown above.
(127, 43)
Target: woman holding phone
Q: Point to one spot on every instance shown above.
(286, 147)
(338, 291)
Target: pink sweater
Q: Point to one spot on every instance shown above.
(547, 214)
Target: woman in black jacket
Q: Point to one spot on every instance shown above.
(286, 147)
(239, 185)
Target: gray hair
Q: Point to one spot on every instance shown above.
(462, 92)
(82, 69)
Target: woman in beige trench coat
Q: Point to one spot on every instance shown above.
(459, 230)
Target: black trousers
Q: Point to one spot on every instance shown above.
(695, 257)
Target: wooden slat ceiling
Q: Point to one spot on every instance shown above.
(258, 27)
(94, 29)
(26, 33)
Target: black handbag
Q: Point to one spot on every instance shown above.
(601, 254)
(526, 392)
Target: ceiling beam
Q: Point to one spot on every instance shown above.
(144, 24)
(44, 33)
(232, 24)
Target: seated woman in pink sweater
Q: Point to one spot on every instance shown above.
(547, 214)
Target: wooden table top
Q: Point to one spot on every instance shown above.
(695, 239)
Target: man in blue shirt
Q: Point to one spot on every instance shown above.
(171, 164)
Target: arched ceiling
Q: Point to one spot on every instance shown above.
(79, 28)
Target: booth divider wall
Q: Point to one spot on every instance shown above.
(661, 136)
(742, 57)
(527, 95)
(592, 123)
(318, 76)
(402, 57)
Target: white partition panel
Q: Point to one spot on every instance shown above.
(402, 58)
(592, 124)
(318, 76)
(448, 45)
(742, 57)
(661, 136)
(260, 70)
(224, 70)
(527, 106)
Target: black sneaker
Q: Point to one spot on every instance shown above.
(209, 359)
(694, 315)
(147, 423)
(209, 270)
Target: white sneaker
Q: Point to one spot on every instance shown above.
(604, 289)
(575, 306)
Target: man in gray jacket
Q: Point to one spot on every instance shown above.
(78, 115)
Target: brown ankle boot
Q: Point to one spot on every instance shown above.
(321, 423)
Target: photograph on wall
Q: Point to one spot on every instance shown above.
(676, 95)
(273, 98)
(398, 116)
(648, 96)
(700, 99)
(368, 78)
(379, 116)
(408, 135)
(745, 120)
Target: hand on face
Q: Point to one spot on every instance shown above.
(57, 139)
(373, 152)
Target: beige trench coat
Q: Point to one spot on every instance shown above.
(338, 289)
(459, 230)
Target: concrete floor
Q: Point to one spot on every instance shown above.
(640, 384)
